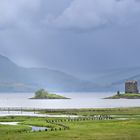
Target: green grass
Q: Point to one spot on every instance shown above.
(43, 94)
(39, 122)
(87, 130)
(79, 130)
(92, 112)
(50, 96)
(125, 96)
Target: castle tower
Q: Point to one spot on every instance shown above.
(131, 87)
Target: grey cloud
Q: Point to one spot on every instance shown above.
(17, 12)
(30, 13)
(90, 14)
(30, 34)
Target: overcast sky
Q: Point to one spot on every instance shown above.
(75, 36)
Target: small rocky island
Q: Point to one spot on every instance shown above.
(43, 94)
(125, 96)
(131, 91)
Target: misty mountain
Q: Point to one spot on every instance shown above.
(113, 80)
(15, 78)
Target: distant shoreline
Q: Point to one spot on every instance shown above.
(49, 98)
(125, 96)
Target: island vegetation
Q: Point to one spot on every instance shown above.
(125, 96)
(43, 94)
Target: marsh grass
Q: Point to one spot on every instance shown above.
(78, 130)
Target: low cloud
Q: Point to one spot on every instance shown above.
(88, 14)
(17, 11)
(33, 33)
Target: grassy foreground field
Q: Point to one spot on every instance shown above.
(125, 125)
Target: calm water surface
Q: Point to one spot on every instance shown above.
(78, 100)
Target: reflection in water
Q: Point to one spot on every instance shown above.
(37, 128)
(33, 114)
(34, 128)
(9, 123)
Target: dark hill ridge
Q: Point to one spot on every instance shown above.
(14, 79)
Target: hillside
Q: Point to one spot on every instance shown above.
(113, 80)
(14, 79)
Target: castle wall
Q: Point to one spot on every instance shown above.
(131, 87)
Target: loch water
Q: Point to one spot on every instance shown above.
(78, 100)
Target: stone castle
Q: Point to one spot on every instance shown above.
(131, 87)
